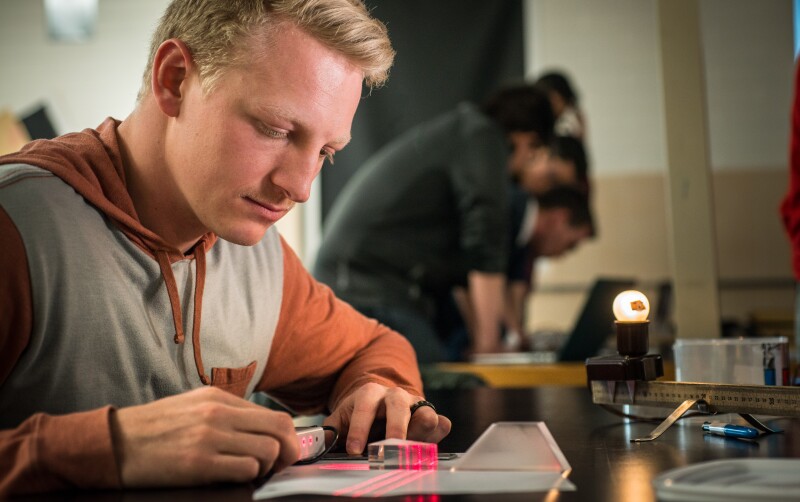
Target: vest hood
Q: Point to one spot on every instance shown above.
(90, 162)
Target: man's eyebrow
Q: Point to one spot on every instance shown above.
(284, 114)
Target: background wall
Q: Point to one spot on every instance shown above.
(82, 83)
(448, 51)
(611, 50)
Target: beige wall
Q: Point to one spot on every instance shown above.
(611, 50)
(82, 83)
(752, 251)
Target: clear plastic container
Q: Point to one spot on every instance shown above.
(745, 361)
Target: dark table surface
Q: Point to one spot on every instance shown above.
(606, 466)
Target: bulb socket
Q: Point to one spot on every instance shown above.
(632, 338)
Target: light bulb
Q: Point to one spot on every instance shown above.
(631, 306)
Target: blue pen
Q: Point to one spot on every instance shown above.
(730, 430)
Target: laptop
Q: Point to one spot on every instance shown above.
(589, 334)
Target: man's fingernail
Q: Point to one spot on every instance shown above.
(355, 447)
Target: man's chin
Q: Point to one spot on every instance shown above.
(244, 238)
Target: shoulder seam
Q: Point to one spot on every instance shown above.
(16, 175)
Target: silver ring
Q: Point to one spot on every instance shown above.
(420, 404)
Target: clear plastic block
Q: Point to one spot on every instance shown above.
(402, 454)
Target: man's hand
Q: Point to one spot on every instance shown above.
(486, 292)
(201, 437)
(355, 414)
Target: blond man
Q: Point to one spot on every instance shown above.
(145, 293)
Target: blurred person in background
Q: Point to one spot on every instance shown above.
(431, 211)
(570, 120)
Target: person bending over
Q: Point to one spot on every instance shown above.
(430, 211)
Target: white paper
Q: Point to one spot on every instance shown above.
(321, 479)
(531, 462)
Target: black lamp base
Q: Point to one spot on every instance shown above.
(617, 367)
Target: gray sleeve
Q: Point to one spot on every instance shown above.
(479, 180)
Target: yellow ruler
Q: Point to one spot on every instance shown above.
(720, 398)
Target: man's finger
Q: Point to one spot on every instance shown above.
(265, 449)
(225, 412)
(398, 413)
(229, 468)
(277, 426)
(365, 408)
(427, 426)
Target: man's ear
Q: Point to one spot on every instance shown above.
(171, 66)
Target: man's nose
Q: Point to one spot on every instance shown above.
(296, 173)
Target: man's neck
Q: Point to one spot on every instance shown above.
(152, 189)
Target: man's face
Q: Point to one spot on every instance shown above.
(244, 154)
(555, 236)
(524, 146)
(544, 172)
(556, 102)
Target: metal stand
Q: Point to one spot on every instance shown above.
(702, 406)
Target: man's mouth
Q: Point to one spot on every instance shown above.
(269, 210)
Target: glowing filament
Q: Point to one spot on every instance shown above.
(631, 306)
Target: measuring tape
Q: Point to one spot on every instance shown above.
(721, 398)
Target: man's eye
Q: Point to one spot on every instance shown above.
(270, 132)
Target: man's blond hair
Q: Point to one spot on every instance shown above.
(216, 31)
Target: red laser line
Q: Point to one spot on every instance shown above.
(356, 486)
(403, 482)
(345, 467)
(387, 481)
